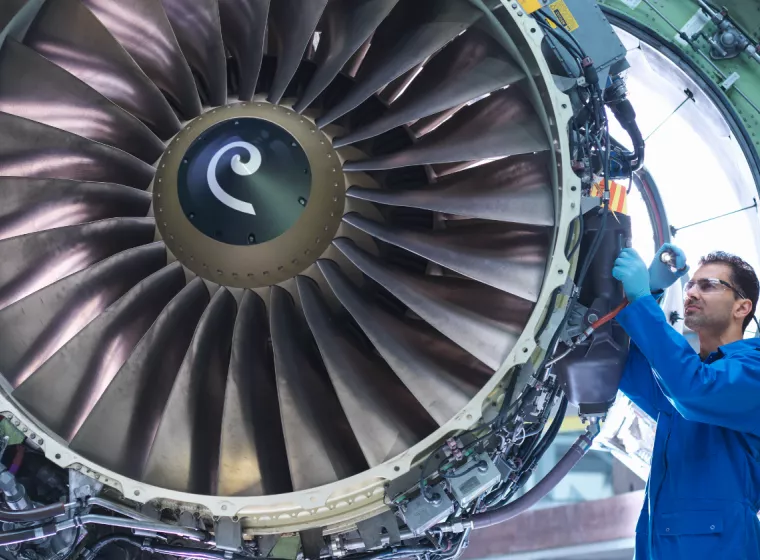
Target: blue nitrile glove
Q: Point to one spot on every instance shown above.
(661, 276)
(632, 271)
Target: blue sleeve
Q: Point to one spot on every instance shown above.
(639, 385)
(725, 393)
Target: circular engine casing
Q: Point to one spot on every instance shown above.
(340, 504)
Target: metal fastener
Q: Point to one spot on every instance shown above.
(667, 529)
(712, 527)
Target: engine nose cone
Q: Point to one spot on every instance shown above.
(244, 181)
(249, 195)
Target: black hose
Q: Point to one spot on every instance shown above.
(400, 552)
(626, 116)
(541, 489)
(158, 549)
(111, 539)
(35, 514)
(26, 535)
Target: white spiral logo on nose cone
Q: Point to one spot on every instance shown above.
(240, 168)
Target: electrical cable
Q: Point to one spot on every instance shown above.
(576, 452)
(565, 43)
(565, 31)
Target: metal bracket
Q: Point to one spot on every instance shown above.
(729, 81)
(229, 534)
(312, 543)
(379, 530)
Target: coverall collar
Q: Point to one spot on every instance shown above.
(737, 347)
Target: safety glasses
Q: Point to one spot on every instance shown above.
(711, 285)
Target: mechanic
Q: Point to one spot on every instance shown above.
(703, 493)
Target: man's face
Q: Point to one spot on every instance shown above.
(713, 310)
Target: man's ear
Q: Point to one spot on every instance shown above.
(742, 309)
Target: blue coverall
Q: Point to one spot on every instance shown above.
(703, 492)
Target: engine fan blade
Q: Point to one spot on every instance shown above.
(68, 34)
(503, 124)
(34, 88)
(37, 326)
(185, 453)
(33, 261)
(65, 389)
(471, 66)
(244, 26)
(515, 189)
(142, 28)
(292, 25)
(480, 319)
(347, 24)
(253, 460)
(8, 9)
(502, 256)
(384, 415)
(31, 149)
(33, 205)
(119, 431)
(412, 32)
(320, 444)
(199, 34)
(443, 386)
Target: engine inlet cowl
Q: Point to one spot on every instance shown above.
(260, 256)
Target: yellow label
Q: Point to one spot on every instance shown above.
(562, 14)
(530, 6)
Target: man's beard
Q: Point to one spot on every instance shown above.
(700, 321)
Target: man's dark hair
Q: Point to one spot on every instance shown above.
(743, 277)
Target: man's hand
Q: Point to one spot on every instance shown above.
(632, 271)
(661, 275)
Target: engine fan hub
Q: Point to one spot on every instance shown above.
(249, 194)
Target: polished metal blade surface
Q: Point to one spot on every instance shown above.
(353, 64)
(34, 328)
(500, 255)
(119, 431)
(142, 28)
(482, 320)
(384, 416)
(244, 26)
(292, 25)
(34, 88)
(253, 460)
(346, 26)
(469, 67)
(199, 33)
(426, 125)
(412, 32)
(31, 262)
(32, 205)
(320, 443)
(68, 34)
(185, 452)
(515, 189)
(503, 124)
(432, 370)
(65, 389)
(8, 9)
(390, 93)
(31, 149)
